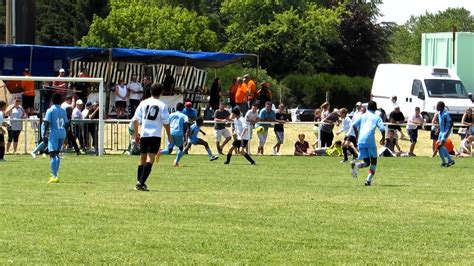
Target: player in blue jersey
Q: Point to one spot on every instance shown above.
(54, 134)
(365, 126)
(193, 138)
(445, 126)
(178, 122)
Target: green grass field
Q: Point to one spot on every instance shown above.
(285, 210)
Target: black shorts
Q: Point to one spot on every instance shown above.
(413, 133)
(352, 139)
(120, 104)
(13, 135)
(150, 145)
(434, 134)
(28, 101)
(240, 143)
(2, 137)
(395, 128)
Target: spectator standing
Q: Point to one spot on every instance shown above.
(2, 132)
(414, 122)
(324, 110)
(78, 126)
(281, 118)
(241, 96)
(396, 117)
(466, 129)
(252, 117)
(92, 126)
(168, 83)
(68, 102)
(121, 97)
(264, 94)
(265, 115)
(60, 87)
(232, 91)
(146, 87)
(302, 147)
(327, 127)
(135, 92)
(317, 127)
(215, 95)
(15, 112)
(83, 88)
(251, 89)
(71, 138)
(28, 93)
(221, 117)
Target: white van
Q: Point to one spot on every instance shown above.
(420, 86)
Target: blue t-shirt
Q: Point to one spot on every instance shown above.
(367, 123)
(264, 115)
(194, 131)
(445, 121)
(57, 118)
(177, 123)
(190, 112)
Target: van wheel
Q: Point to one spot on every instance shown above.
(427, 118)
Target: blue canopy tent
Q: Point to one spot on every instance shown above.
(43, 60)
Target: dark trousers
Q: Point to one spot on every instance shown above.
(92, 132)
(326, 138)
(133, 107)
(72, 139)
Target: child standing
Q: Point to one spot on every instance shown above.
(281, 118)
(412, 127)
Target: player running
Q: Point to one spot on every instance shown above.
(178, 122)
(194, 140)
(153, 115)
(445, 126)
(242, 136)
(364, 126)
(54, 134)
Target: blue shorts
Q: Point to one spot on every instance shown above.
(367, 153)
(177, 141)
(193, 141)
(55, 144)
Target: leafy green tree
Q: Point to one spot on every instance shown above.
(60, 22)
(150, 26)
(406, 40)
(363, 44)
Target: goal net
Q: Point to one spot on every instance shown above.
(102, 102)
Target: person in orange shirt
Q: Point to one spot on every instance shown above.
(241, 95)
(28, 98)
(252, 89)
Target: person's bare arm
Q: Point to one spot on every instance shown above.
(168, 133)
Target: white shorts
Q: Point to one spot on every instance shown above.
(262, 138)
(222, 132)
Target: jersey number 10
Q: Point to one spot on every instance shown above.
(152, 112)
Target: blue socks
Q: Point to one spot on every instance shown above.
(179, 155)
(54, 163)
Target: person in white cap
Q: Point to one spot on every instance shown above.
(78, 127)
(60, 87)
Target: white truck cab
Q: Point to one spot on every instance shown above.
(420, 86)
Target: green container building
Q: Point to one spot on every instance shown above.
(437, 50)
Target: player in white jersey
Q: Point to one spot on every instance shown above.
(152, 114)
(242, 136)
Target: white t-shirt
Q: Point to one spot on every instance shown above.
(135, 87)
(239, 125)
(16, 113)
(77, 114)
(122, 92)
(251, 116)
(465, 146)
(152, 114)
(85, 113)
(1, 119)
(65, 105)
(346, 125)
(414, 118)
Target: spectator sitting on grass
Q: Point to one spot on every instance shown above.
(466, 146)
(390, 143)
(448, 145)
(335, 150)
(302, 147)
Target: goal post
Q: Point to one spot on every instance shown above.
(101, 134)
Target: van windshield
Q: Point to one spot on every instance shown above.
(445, 88)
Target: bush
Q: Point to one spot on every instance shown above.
(310, 90)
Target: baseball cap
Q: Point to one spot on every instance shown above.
(358, 104)
(79, 102)
(26, 70)
(396, 106)
(62, 70)
(188, 104)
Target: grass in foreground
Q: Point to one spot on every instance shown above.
(284, 210)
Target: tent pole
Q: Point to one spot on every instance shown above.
(101, 119)
(256, 69)
(109, 81)
(31, 58)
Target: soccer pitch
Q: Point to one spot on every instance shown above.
(284, 210)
